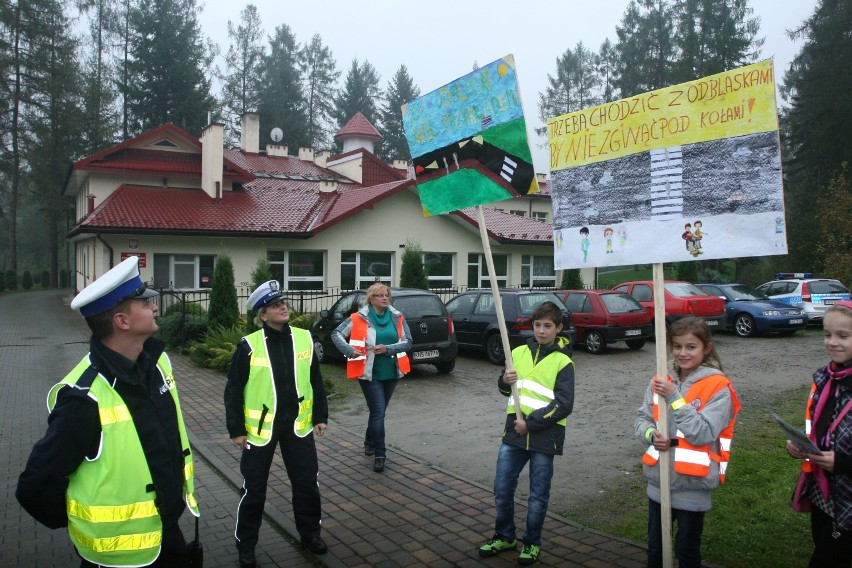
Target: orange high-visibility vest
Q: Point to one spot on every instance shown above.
(695, 460)
(806, 464)
(358, 339)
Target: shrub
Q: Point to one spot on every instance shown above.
(262, 273)
(571, 280)
(194, 328)
(712, 275)
(224, 310)
(413, 273)
(687, 271)
(304, 321)
(44, 279)
(27, 280)
(2, 280)
(63, 278)
(11, 280)
(215, 350)
(190, 308)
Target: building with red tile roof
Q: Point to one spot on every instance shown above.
(323, 221)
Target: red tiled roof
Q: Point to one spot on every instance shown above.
(358, 125)
(507, 228)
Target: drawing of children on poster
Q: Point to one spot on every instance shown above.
(584, 243)
(689, 238)
(697, 234)
(608, 237)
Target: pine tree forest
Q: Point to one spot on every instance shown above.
(77, 77)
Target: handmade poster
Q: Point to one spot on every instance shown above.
(688, 172)
(468, 140)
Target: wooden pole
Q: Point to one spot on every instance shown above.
(498, 305)
(663, 425)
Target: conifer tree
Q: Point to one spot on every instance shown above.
(319, 77)
(282, 103)
(413, 273)
(223, 310)
(243, 81)
(360, 93)
(401, 90)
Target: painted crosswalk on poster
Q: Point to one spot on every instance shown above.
(687, 172)
(468, 140)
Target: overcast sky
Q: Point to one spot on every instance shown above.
(439, 40)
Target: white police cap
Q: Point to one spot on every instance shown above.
(266, 293)
(119, 283)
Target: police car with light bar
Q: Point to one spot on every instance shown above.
(801, 289)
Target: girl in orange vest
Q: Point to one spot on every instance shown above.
(702, 412)
(825, 487)
(378, 339)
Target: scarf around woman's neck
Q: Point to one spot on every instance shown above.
(836, 375)
(379, 320)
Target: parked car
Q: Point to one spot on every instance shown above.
(475, 318)
(432, 334)
(602, 317)
(802, 290)
(749, 312)
(681, 299)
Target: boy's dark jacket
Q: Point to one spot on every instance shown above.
(545, 435)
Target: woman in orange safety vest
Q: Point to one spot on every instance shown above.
(375, 341)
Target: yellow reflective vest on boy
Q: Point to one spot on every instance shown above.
(112, 518)
(260, 399)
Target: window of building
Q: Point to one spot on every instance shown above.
(183, 271)
(439, 267)
(298, 269)
(360, 269)
(540, 216)
(537, 271)
(518, 212)
(477, 270)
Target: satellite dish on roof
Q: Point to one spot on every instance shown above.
(277, 134)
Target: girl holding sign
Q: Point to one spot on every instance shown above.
(703, 411)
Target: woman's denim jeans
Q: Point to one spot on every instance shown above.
(510, 462)
(378, 395)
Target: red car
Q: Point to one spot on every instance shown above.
(603, 317)
(682, 299)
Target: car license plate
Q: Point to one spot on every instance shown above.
(633, 332)
(796, 321)
(829, 302)
(417, 355)
(712, 323)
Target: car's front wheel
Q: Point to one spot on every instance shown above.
(494, 349)
(744, 325)
(319, 350)
(595, 342)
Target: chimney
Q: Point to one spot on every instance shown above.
(90, 204)
(276, 150)
(321, 158)
(212, 159)
(306, 154)
(250, 132)
(400, 164)
(540, 177)
(328, 185)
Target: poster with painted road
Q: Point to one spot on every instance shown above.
(468, 140)
(687, 172)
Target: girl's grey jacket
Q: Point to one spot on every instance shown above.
(340, 338)
(689, 492)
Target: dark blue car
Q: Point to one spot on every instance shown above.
(748, 312)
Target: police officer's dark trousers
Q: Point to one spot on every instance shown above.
(300, 460)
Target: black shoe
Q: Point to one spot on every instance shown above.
(315, 544)
(247, 559)
(379, 464)
(369, 449)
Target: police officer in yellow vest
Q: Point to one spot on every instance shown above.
(275, 395)
(115, 465)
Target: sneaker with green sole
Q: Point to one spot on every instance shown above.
(496, 545)
(529, 554)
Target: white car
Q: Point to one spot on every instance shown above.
(813, 295)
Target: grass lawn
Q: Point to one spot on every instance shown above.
(751, 523)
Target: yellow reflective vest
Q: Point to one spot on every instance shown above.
(260, 400)
(112, 519)
(536, 379)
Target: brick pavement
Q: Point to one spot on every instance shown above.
(413, 514)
